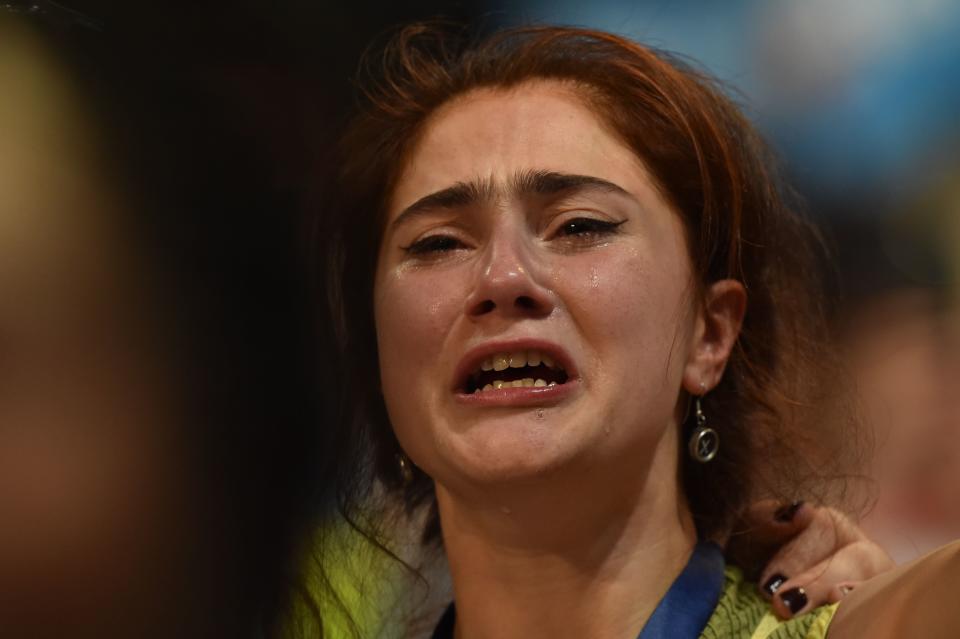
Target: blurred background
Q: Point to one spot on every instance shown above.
(121, 424)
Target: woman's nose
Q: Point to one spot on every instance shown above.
(510, 282)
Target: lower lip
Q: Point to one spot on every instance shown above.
(524, 396)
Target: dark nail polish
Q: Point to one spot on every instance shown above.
(795, 599)
(773, 584)
(785, 514)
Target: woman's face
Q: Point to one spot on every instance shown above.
(523, 235)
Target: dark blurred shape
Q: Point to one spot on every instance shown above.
(52, 13)
(161, 445)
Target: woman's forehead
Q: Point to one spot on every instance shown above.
(491, 136)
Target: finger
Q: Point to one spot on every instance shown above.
(826, 532)
(830, 580)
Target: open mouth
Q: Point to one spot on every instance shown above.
(518, 369)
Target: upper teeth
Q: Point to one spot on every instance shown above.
(517, 359)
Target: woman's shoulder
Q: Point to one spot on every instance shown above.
(743, 614)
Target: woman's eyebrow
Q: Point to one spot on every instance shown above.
(463, 194)
(460, 195)
(552, 182)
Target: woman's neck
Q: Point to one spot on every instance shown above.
(567, 556)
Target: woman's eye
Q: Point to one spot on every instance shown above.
(434, 244)
(587, 227)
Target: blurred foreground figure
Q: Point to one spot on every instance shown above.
(91, 483)
(154, 442)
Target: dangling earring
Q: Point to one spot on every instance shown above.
(704, 442)
(405, 466)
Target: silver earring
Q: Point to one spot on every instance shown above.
(405, 466)
(704, 442)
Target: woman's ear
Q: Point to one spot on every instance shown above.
(715, 333)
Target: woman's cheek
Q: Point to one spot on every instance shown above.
(417, 304)
(627, 303)
(415, 310)
(608, 293)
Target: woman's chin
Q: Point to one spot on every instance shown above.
(504, 454)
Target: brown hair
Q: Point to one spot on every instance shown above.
(709, 164)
